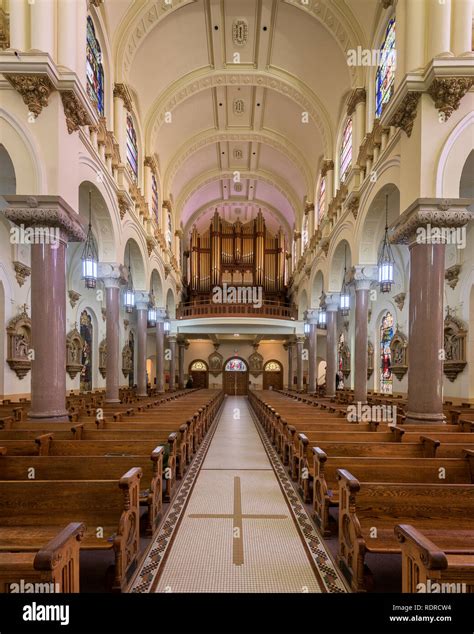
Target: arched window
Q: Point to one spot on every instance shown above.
(154, 199)
(198, 366)
(94, 69)
(321, 198)
(169, 229)
(386, 336)
(305, 233)
(272, 366)
(235, 365)
(386, 70)
(132, 146)
(345, 156)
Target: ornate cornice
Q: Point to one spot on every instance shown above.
(400, 300)
(353, 206)
(327, 166)
(358, 95)
(405, 114)
(121, 91)
(76, 114)
(34, 89)
(46, 211)
(74, 297)
(436, 212)
(447, 93)
(123, 204)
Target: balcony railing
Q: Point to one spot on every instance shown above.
(274, 310)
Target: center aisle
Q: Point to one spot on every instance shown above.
(238, 531)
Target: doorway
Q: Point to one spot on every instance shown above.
(198, 371)
(273, 375)
(236, 377)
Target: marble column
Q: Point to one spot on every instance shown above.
(289, 347)
(312, 318)
(361, 277)
(160, 350)
(462, 28)
(332, 306)
(18, 24)
(42, 26)
(172, 348)
(439, 34)
(415, 45)
(57, 224)
(426, 294)
(181, 349)
(299, 362)
(67, 33)
(112, 276)
(141, 302)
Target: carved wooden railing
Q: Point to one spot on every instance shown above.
(275, 310)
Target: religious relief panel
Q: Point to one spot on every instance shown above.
(103, 357)
(255, 363)
(19, 344)
(455, 334)
(74, 347)
(399, 354)
(86, 357)
(215, 362)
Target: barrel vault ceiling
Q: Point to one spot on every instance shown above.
(239, 99)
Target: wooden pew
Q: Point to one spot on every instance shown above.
(95, 468)
(55, 565)
(427, 568)
(31, 511)
(367, 512)
(381, 469)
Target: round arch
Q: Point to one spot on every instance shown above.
(198, 370)
(453, 157)
(171, 304)
(156, 285)
(341, 256)
(133, 257)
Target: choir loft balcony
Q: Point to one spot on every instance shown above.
(206, 308)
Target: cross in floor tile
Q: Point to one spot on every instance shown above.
(237, 516)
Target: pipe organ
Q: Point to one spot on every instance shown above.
(239, 255)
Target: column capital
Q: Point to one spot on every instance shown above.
(362, 276)
(288, 345)
(358, 95)
(112, 274)
(46, 211)
(332, 302)
(172, 338)
(161, 314)
(326, 166)
(300, 339)
(142, 299)
(311, 315)
(429, 220)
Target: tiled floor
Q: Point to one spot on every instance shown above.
(237, 532)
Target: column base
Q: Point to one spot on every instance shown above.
(113, 400)
(422, 418)
(55, 416)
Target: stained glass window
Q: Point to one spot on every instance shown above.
(235, 365)
(132, 146)
(340, 363)
(386, 71)
(386, 336)
(272, 366)
(94, 69)
(321, 198)
(154, 199)
(198, 366)
(305, 232)
(346, 150)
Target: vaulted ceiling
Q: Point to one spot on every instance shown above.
(239, 99)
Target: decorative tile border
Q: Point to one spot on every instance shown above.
(328, 572)
(152, 563)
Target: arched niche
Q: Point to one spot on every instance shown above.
(156, 285)
(342, 256)
(317, 288)
(171, 304)
(133, 258)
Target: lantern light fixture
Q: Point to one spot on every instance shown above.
(386, 260)
(89, 254)
(129, 296)
(344, 299)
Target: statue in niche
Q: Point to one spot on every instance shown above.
(74, 347)
(19, 342)
(215, 361)
(399, 354)
(127, 360)
(103, 357)
(455, 334)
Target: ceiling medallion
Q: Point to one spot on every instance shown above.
(238, 106)
(238, 187)
(240, 32)
(238, 154)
